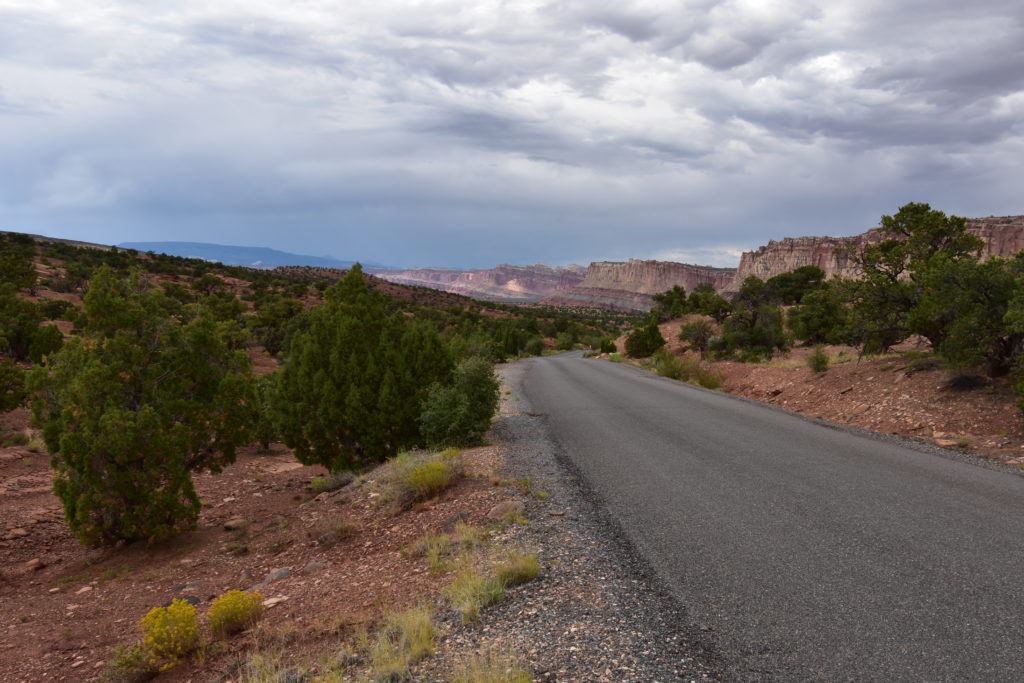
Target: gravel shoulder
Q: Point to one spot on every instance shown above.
(596, 613)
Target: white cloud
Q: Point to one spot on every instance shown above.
(570, 129)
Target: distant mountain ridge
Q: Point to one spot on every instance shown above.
(232, 255)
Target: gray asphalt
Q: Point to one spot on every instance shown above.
(808, 552)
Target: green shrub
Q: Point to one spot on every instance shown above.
(608, 345)
(518, 567)
(404, 638)
(170, 633)
(460, 413)
(128, 664)
(755, 333)
(534, 346)
(234, 611)
(12, 385)
(667, 364)
(687, 369)
(422, 475)
(565, 341)
(355, 379)
(818, 361)
(644, 341)
(471, 591)
(429, 479)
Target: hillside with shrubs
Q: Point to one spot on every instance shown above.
(187, 448)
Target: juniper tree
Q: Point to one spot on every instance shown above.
(132, 407)
(350, 391)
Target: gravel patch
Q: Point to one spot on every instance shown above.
(596, 613)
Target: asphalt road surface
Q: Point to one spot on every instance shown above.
(809, 552)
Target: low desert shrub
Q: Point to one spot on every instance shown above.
(518, 567)
(404, 638)
(234, 611)
(491, 666)
(128, 664)
(686, 369)
(332, 529)
(422, 475)
(331, 482)
(818, 361)
(170, 633)
(471, 591)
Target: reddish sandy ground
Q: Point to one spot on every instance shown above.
(62, 606)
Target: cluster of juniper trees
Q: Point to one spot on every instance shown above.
(923, 277)
(154, 383)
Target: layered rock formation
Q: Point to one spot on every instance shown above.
(1003, 236)
(628, 286)
(518, 284)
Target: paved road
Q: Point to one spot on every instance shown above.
(813, 553)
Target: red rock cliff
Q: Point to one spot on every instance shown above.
(628, 286)
(502, 283)
(1004, 236)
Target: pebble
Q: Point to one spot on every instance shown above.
(234, 524)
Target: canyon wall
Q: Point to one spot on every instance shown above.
(514, 284)
(628, 286)
(1003, 236)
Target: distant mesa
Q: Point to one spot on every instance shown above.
(229, 255)
(504, 283)
(629, 285)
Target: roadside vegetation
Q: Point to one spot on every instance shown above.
(923, 279)
(141, 371)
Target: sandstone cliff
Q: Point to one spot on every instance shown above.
(1004, 236)
(519, 284)
(628, 286)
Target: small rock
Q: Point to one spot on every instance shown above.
(77, 663)
(314, 567)
(945, 443)
(235, 524)
(17, 533)
(83, 589)
(270, 602)
(556, 513)
(505, 509)
(846, 390)
(54, 590)
(277, 575)
(35, 564)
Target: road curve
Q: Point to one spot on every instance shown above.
(811, 553)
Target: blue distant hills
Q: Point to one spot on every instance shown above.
(253, 257)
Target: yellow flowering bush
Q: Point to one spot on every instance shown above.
(234, 611)
(170, 633)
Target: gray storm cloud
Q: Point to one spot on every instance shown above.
(466, 134)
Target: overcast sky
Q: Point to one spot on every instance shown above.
(475, 133)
